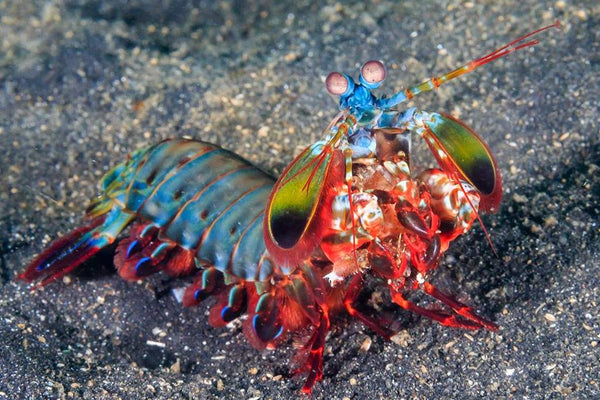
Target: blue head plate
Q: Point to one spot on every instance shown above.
(357, 96)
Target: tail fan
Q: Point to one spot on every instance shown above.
(70, 251)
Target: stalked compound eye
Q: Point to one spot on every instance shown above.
(339, 84)
(372, 73)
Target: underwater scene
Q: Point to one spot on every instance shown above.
(274, 200)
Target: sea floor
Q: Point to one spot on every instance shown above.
(84, 82)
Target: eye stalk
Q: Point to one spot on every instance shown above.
(339, 84)
(372, 74)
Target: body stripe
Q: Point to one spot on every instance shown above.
(250, 242)
(163, 161)
(187, 227)
(171, 171)
(218, 240)
(176, 189)
(203, 198)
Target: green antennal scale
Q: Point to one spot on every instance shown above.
(297, 207)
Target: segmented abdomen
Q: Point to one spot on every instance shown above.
(203, 198)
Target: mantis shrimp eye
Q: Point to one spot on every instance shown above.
(372, 73)
(339, 84)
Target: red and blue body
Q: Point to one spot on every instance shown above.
(290, 253)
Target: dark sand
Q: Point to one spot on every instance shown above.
(83, 82)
